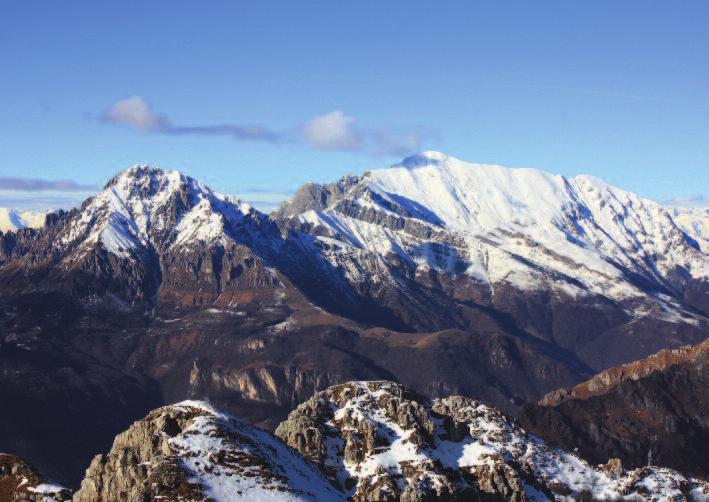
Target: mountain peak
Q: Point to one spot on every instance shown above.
(429, 157)
(144, 205)
(143, 172)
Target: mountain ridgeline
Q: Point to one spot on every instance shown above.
(452, 278)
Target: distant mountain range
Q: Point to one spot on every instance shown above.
(12, 220)
(449, 277)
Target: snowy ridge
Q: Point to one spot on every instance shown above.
(12, 220)
(381, 440)
(482, 228)
(191, 451)
(526, 227)
(252, 466)
(144, 207)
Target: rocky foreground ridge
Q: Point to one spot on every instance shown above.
(373, 441)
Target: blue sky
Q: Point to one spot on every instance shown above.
(256, 98)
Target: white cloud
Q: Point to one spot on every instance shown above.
(399, 142)
(134, 112)
(333, 131)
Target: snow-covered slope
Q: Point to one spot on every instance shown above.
(694, 221)
(523, 227)
(190, 451)
(11, 219)
(144, 207)
(380, 441)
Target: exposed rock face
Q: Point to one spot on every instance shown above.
(20, 481)
(379, 441)
(190, 451)
(605, 381)
(652, 410)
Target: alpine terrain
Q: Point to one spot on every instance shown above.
(496, 284)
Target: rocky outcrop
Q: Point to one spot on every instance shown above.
(20, 481)
(379, 441)
(370, 441)
(652, 410)
(190, 451)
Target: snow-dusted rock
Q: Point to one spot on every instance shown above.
(190, 451)
(380, 441)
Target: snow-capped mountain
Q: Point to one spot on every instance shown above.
(526, 228)
(11, 219)
(431, 219)
(453, 278)
(144, 207)
(363, 440)
(148, 233)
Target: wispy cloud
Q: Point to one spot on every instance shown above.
(339, 132)
(41, 201)
(400, 142)
(42, 194)
(687, 201)
(332, 131)
(42, 185)
(136, 113)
